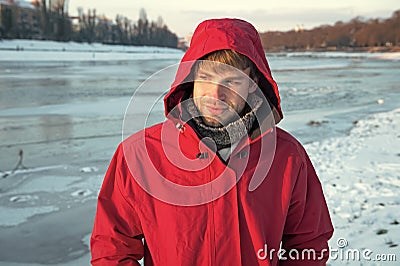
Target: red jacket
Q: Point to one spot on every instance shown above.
(191, 207)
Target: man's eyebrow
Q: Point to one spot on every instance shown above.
(202, 72)
(237, 77)
(205, 72)
(234, 75)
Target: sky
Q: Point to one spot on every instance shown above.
(182, 17)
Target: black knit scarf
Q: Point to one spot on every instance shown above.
(231, 133)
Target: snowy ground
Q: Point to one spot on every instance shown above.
(361, 180)
(22, 50)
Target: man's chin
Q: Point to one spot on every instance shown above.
(211, 122)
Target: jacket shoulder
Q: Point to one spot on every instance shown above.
(286, 141)
(152, 132)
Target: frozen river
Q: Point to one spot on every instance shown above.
(64, 110)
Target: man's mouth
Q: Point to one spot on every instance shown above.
(216, 110)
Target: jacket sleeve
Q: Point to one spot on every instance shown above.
(117, 235)
(308, 225)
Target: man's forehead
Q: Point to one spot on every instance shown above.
(216, 68)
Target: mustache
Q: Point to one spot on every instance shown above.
(214, 102)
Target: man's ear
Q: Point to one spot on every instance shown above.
(253, 85)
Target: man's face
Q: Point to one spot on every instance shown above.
(220, 93)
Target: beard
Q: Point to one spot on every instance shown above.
(217, 113)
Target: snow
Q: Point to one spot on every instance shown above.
(38, 45)
(89, 169)
(32, 50)
(4, 2)
(395, 56)
(24, 4)
(388, 56)
(361, 180)
(24, 198)
(20, 3)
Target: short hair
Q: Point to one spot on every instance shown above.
(229, 57)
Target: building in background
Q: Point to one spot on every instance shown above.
(49, 20)
(19, 19)
(184, 42)
(32, 20)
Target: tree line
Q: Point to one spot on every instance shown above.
(93, 28)
(49, 21)
(355, 34)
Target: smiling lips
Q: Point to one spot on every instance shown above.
(216, 110)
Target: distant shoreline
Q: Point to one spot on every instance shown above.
(84, 47)
(33, 45)
(373, 49)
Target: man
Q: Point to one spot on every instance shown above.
(216, 183)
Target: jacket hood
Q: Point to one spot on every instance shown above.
(219, 34)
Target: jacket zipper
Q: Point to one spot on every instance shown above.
(211, 218)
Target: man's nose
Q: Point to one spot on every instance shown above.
(217, 91)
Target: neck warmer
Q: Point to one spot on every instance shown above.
(226, 135)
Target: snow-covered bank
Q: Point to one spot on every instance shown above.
(23, 50)
(361, 179)
(38, 45)
(395, 56)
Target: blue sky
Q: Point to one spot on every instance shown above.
(183, 16)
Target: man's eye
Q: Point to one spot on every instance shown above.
(202, 77)
(233, 82)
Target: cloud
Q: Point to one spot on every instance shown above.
(283, 16)
(282, 19)
(184, 21)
